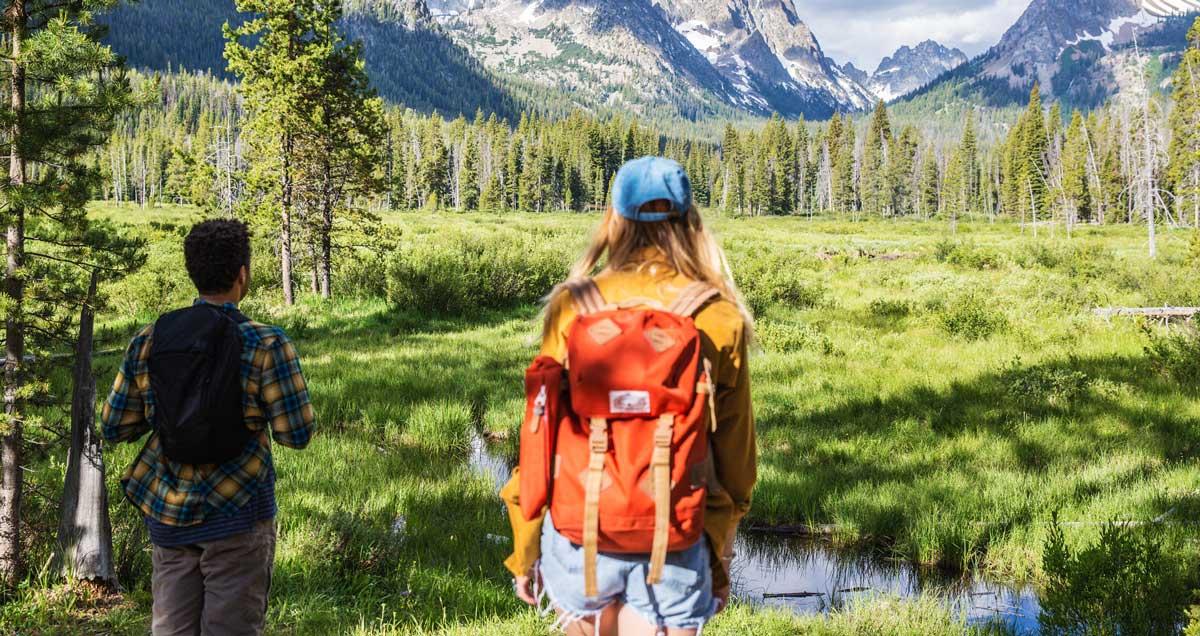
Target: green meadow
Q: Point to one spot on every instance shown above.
(926, 395)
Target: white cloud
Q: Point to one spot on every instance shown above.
(866, 31)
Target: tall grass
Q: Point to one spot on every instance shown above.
(932, 399)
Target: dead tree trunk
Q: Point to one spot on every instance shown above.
(85, 550)
(327, 206)
(285, 223)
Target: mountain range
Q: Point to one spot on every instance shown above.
(677, 59)
(1083, 52)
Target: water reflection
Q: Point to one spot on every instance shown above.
(488, 462)
(810, 577)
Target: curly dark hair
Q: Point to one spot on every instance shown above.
(215, 251)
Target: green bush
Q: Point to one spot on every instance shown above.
(1193, 621)
(789, 338)
(358, 275)
(1125, 584)
(967, 254)
(1175, 354)
(890, 309)
(1044, 385)
(972, 318)
(767, 282)
(457, 274)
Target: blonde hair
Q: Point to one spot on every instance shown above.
(688, 247)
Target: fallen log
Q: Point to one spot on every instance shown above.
(794, 595)
(1162, 314)
(798, 530)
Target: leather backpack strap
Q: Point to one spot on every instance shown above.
(692, 298)
(588, 299)
(598, 450)
(660, 473)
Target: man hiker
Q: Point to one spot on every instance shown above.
(213, 388)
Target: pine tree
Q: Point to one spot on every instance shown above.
(65, 89)
(930, 186)
(901, 169)
(802, 180)
(844, 185)
(1076, 193)
(277, 57)
(969, 156)
(1033, 150)
(433, 170)
(469, 175)
(339, 153)
(875, 182)
(734, 172)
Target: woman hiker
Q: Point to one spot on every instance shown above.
(638, 450)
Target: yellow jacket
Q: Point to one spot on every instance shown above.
(724, 339)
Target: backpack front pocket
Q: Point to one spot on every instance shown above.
(544, 386)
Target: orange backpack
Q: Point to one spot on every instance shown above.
(616, 442)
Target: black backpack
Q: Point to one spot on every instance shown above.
(196, 374)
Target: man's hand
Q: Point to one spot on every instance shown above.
(524, 588)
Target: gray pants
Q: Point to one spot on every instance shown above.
(217, 588)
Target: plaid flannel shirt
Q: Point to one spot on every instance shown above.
(175, 494)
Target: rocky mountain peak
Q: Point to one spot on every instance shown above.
(912, 67)
(415, 14)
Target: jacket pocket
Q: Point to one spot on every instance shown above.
(544, 386)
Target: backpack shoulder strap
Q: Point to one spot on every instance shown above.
(588, 299)
(693, 298)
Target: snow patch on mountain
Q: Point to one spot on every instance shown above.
(1117, 28)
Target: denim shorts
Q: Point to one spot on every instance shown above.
(683, 600)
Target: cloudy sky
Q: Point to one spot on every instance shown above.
(864, 31)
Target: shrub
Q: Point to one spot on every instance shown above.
(768, 282)
(1193, 621)
(1041, 385)
(457, 274)
(1175, 354)
(890, 309)
(967, 254)
(1124, 584)
(359, 276)
(972, 318)
(789, 338)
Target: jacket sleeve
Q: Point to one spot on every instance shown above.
(526, 534)
(123, 416)
(284, 394)
(735, 454)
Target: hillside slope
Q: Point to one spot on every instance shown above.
(409, 62)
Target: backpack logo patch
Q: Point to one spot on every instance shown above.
(629, 402)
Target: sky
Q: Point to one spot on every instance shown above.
(865, 31)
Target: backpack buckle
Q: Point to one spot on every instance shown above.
(664, 434)
(598, 440)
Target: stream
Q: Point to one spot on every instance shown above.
(811, 577)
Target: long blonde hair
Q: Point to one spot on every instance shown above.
(688, 247)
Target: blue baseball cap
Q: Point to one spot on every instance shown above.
(641, 181)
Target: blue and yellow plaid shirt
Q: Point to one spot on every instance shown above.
(181, 495)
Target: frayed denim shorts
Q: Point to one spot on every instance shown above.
(683, 600)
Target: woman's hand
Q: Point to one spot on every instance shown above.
(722, 596)
(524, 587)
